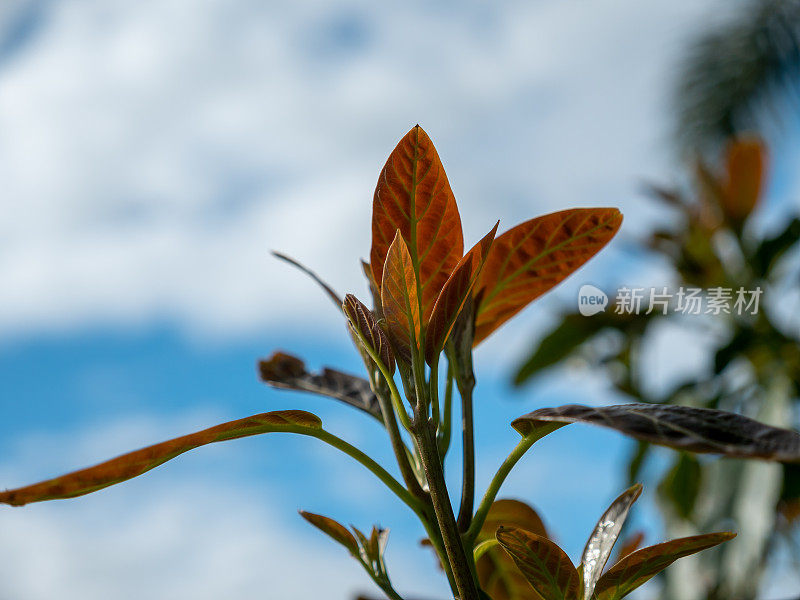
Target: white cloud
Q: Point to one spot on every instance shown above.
(152, 152)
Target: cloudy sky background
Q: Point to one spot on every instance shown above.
(153, 152)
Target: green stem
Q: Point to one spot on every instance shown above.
(382, 583)
(393, 391)
(465, 387)
(399, 448)
(494, 487)
(381, 473)
(454, 548)
(434, 393)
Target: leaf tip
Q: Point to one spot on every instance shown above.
(635, 490)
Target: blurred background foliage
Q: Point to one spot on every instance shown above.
(737, 93)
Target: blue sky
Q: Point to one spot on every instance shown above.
(154, 152)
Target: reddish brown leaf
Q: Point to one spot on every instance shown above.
(400, 301)
(414, 196)
(335, 530)
(136, 463)
(364, 322)
(498, 574)
(530, 259)
(454, 294)
(637, 568)
(546, 566)
(746, 158)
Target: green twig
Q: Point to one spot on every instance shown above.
(466, 385)
(412, 502)
(429, 454)
(497, 481)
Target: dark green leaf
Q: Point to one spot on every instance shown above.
(564, 340)
(681, 485)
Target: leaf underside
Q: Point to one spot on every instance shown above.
(413, 196)
(702, 430)
(138, 462)
(640, 566)
(533, 257)
(546, 566)
(288, 372)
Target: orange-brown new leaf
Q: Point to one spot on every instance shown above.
(746, 163)
(530, 259)
(400, 301)
(138, 462)
(546, 566)
(640, 566)
(334, 529)
(414, 196)
(363, 321)
(454, 294)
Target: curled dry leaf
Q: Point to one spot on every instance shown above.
(498, 574)
(702, 430)
(546, 566)
(288, 372)
(640, 566)
(334, 529)
(454, 295)
(364, 322)
(400, 301)
(136, 463)
(533, 257)
(601, 541)
(414, 197)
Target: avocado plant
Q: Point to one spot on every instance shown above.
(432, 304)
